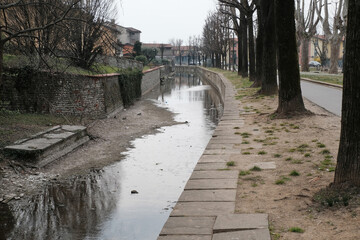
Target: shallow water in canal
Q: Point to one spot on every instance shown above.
(100, 205)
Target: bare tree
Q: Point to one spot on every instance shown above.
(268, 77)
(177, 43)
(10, 31)
(347, 172)
(306, 28)
(290, 98)
(87, 37)
(334, 34)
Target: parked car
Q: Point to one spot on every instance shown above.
(314, 64)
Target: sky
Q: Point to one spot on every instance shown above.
(162, 20)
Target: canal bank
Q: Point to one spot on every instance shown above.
(89, 194)
(206, 208)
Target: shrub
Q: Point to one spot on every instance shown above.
(130, 85)
(141, 58)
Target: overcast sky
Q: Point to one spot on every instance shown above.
(161, 20)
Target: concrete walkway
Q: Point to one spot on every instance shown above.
(206, 208)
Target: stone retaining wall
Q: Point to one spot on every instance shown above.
(212, 78)
(122, 63)
(70, 94)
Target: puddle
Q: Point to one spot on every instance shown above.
(101, 205)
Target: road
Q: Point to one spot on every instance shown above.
(327, 97)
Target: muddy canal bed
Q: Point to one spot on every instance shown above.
(132, 198)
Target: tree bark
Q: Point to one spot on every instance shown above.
(290, 98)
(251, 49)
(1, 62)
(240, 48)
(268, 78)
(348, 160)
(244, 39)
(305, 55)
(259, 50)
(334, 58)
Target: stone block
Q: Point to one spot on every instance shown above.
(208, 196)
(209, 209)
(188, 226)
(202, 184)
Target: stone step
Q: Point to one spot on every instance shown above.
(47, 146)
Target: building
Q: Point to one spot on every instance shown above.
(163, 50)
(318, 47)
(124, 37)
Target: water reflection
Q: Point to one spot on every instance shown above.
(101, 206)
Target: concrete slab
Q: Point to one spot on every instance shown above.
(214, 158)
(72, 128)
(230, 174)
(258, 234)
(58, 135)
(237, 222)
(202, 184)
(188, 226)
(221, 151)
(220, 146)
(185, 237)
(202, 209)
(209, 166)
(208, 196)
(263, 165)
(34, 144)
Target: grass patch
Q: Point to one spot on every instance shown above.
(262, 153)
(246, 153)
(245, 142)
(296, 230)
(334, 79)
(294, 173)
(277, 155)
(230, 164)
(244, 173)
(320, 145)
(289, 159)
(307, 155)
(325, 151)
(282, 180)
(332, 196)
(255, 169)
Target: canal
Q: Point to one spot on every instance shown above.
(132, 199)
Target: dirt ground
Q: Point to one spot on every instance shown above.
(304, 150)
(110, 137)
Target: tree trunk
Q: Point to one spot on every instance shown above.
(259, 50)
(305, 54)
(334, 58)
(240, 48)
(290, 98)
(244, 36)
(268, 78)
(1, 62)
(251, 48)
(348, 159)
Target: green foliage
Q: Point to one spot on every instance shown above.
(130, 85)
(137, 49)
(244, 173)
(296, 230)
(294, 173)
(149, 53)
(334, 196)
(141, 58)
(230, 164)
(256, 169)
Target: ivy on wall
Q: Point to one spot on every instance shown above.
(130, 85)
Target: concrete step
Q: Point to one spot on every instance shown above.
(47, 146)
